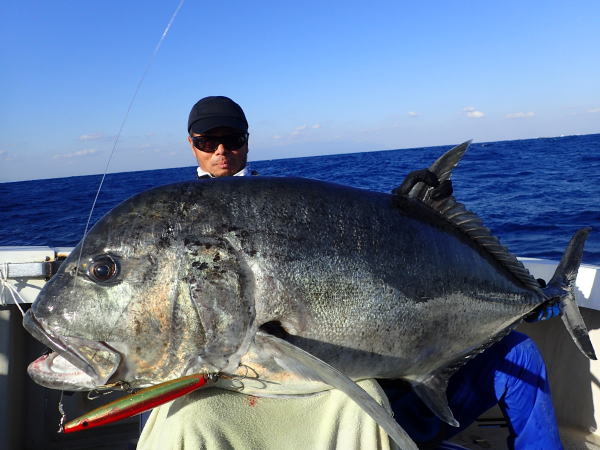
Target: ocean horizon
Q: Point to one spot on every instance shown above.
(532, 193)
(250, 161)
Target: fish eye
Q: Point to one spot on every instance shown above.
(103, 269)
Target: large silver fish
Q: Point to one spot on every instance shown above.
(289, 283)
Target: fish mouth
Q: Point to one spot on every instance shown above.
(55, 372)
(75, 364)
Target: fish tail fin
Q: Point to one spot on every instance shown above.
(561, 288)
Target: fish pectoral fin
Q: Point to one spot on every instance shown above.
(314, 368)
(432, 391)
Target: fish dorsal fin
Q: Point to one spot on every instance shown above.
(465, 220)
(442, 168)
(312, 367)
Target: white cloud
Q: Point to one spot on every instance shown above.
(413, 114)
(520, 115)
(594, 110)
(301, 130)
(473, 113)
(5, 156)
(145, 147)
(86, 152)
(91, 137)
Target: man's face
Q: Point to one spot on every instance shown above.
(221, 162)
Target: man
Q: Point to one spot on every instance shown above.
(218, 135)
(214, 418)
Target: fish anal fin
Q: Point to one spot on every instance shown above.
(432, 390)
(313, 367)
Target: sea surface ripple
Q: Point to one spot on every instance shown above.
(533, 194)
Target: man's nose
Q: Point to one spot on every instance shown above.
(220, 149)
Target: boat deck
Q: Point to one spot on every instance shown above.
(490, 431)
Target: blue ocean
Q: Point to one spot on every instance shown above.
(533, 194)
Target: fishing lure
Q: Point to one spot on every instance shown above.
(137, 403)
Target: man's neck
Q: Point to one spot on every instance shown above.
(242, 173)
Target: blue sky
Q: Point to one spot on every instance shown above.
(313, 77)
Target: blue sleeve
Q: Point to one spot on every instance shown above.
(544, 312)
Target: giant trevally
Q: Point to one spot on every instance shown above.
(289, 283)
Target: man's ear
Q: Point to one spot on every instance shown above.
(193, 149)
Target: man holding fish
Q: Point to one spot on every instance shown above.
(510, 373)
(216, 418)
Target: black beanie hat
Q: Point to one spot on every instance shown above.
(217, 111)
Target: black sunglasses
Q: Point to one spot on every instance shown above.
(209, 144)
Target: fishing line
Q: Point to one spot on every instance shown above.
(116, 141)
(5, 284)
(61, 411)
(114, 147)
